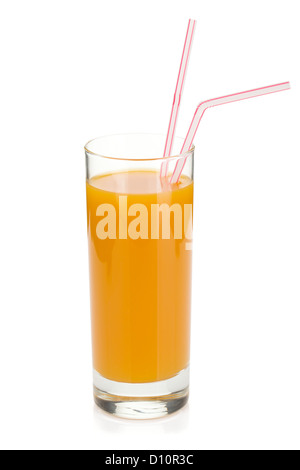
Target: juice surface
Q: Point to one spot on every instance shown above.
(140, 288)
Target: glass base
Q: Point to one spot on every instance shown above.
(142, 400)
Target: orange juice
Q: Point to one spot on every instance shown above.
(140, 278)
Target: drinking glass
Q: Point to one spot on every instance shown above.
(140, 257)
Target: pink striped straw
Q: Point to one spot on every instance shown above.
(177, 95)
(217, 102)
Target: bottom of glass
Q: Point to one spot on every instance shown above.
(142, 400)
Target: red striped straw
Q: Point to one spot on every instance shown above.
(177, 95)
(217, 102)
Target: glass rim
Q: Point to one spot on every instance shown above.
(149, 159)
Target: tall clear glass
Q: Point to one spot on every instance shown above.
(140, 254)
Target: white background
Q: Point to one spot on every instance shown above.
(73, 70)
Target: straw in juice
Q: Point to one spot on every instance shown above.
(217, 102)
(178, 95)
